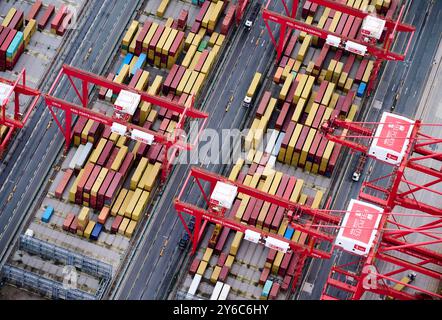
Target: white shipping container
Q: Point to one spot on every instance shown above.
(84, 155)
(74, 160)
(224, 292)
(272, 141)
(278, 144)
(194, 285)
(216, 291)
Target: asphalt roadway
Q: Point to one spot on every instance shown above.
(407, 78)
(36, 147)
(156, 261)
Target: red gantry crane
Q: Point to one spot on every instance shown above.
(373, 28)
(13, 90)
(398, 246)
(119, 121)
(240, 9)
(219, 194)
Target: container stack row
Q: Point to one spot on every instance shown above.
(279, 268)
(160, 44)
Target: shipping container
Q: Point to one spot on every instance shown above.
(47, 214)
(63, 183)
(68, 221)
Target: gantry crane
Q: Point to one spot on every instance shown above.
(366, 45)
(14, 89)
(402, 145)
(313, 222)
(118, 122)
(240, 9)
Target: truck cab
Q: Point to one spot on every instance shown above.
(359, 168)
(253, 14)
(247, 101)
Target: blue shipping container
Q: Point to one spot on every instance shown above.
(267, 287)
(361, 89)
(141, 62)
(96, 231)
(47, 214)
(126, 60)
(289, 233)
(15, 44)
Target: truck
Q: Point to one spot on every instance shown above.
(253, 89)
(359, 168)
(252, 16)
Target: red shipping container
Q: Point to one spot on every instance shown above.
(79, 126)
(347, 27)
(318, 118)
(283, 114)
(63, 183)
(177, 79)
(264, 276)
(95, 132)
(5, 46)
(306, 9)
(273, 208)
(292, 266)
(133, 82)
(56, 22)
(195, 27)
(34, 10)
(80, 186)
(73, 226)
(291, 45)
(68, 221)
(17, 21)
(113, 189)
(46, 16)
(116, 224)
(105, 154)
(280, 212)
(201, 60)
(255, 212)
(274, 291)
(223, 274)
(248, 212)
(285, 264)
(349, 63)
(288, 134)
(355, 28)
(333, 160)
(194, 266)
(92, 178)
(126, 165)
(112, 157)
(319, 62)
(141, 36)
(176, 44)
(314, 147)
(67, 19)
(202, 11)
(286, 283)
(321, 150)
(341, 24)
(348, 102)
(169, 79)
(182, 18)
(263, 104)
(271, 255)
(103, 189)
(222, 259)
(222, 240)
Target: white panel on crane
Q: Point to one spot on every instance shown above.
(392, 138)
(373, 27)
(359, 227)
(127, 102)
(224, 194)
(5, 92)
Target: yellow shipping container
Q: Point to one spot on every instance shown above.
(298, 110)
(236, 169)
(97, 151)
(304, 48)
(125, 203)
(169, 42)
(143, 82)
(286, 87)
(183, 81)
(195, 59)
(122, 141)
(121, 155)
(152, 177)
(236, 243)
(205, 20)
(156, 86)
(306, 147)
(277, 262)
(215, 274)
(9, 17)
(317, 200)
(352, 113)
(191, 82)
(86, 129)
(123, 226)
(130, 229)
(297, 190)
(229, 261)
(198, 84)
(213, 38)
(302, 80)
(254, 84)
(189, 56)
(162, 8)
(326, 157)
(73, 189)
(120, 199)
(138, 173)
(99, 182)
(220, 40)
(89, 228)
(29, 31)
(122, 76)
(289, 158)
(328, 94)
(209, 62)
(130, 34)
(202, 268)
(335, 21)
(312, 115)
(133, 43)
(189, 40)
(308, 87)
(207, 254)
(84, 216)
(153, 28)
(141, 206)
(368, 71)
(133, 203)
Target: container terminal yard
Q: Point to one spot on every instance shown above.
(220, 150)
